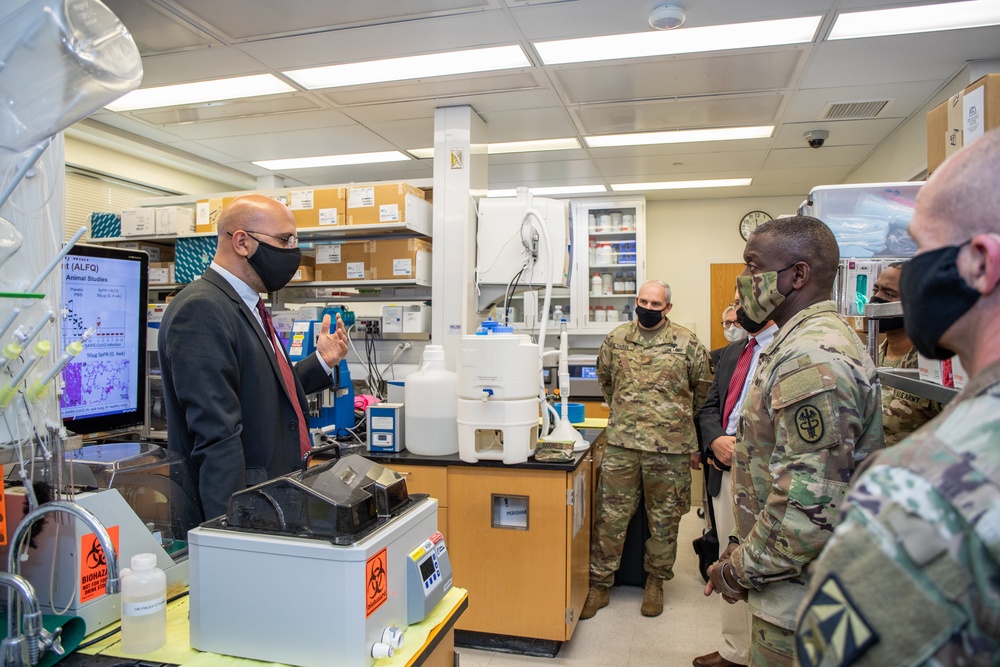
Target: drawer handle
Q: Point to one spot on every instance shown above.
(404, 474)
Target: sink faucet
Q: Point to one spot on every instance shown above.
(18, 650)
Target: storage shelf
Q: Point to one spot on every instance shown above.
(612, 266)
(908, 380)
(630, 234)
(306, 234)
(611, 296)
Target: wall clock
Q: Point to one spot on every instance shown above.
(751, 221)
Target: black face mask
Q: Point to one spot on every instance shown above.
(887, 323)
(648, 318)
(744, 321)
(935, 296)
(275, 266)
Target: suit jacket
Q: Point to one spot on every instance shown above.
(710, 417)
(228, 413)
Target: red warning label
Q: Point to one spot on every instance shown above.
(376, 582)
(94, 565)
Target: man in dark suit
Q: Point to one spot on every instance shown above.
(717, 420)
(235, 406)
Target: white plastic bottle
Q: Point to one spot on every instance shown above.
(144, 605)
(611, 314)
(600, 315)
(596, 285)
(557, 314)
(430, 397)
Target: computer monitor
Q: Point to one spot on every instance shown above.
(105, 289)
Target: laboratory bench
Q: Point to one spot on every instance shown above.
(436, 635)
(515, 533)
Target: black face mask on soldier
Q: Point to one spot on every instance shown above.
(275, 266)
(648, 318)
(886, 324)
(748, 324)
(934, 296)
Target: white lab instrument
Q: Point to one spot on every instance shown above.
(498, 376)
(385, 427)
(564, 430)
(337, 545)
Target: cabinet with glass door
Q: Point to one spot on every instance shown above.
(611, 264)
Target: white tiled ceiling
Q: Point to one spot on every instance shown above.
(788, 86)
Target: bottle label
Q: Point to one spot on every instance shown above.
(145, 607)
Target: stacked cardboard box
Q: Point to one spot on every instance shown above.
(174, 220)
(962, 118)
(318, 207)
(400, 259)
(158, 252)
(387, 204)
(343, 261)
(139, 222)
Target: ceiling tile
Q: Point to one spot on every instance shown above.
(714, 111)
(259, 125)
(432, 90)
(204, 116)
(844, 132)
(807, 104)
(745, 71)
(250, 19)
(529, 174)
(362, 173)
(155, 29)
(636, 166)
(198, 65)
(790, 158)
(527, 124)
(415, 133)
(302, 143)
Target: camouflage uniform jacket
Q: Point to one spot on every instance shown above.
(903, 412)
(655, 387)
(913, 570)
(812, 413)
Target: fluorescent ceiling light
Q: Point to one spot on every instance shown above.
(411, 67)
(683, 40)
(909, 20)
(682, 185)
(680, 136)
(331, 160)
(533, 146)
(554, 190)
(200, 92)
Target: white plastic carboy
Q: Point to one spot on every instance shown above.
(430, 405)
(498, 414)
(144, 605)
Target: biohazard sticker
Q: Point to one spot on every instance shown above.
(833, 632)
(809, 424)
(376, 582)
(94, 565)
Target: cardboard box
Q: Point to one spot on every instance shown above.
(401, 259)
(958, 375)
(935, 370)
(386, 204)
(161, 273)
(207, 212)
(105, 225)
(194, 254)
(980, 107)
(174, 220)
(304, 274)
(392, 319)
(138, 221)
(158, 252)
(343, 261)
(937, 127)
(417, 319)
(318, 207)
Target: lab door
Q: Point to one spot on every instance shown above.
(723, 277)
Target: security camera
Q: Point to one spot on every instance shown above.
(816, 138)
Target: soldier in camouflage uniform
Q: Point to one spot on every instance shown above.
(655, 375)
(912, 574)
(902, 412)
(812, 413)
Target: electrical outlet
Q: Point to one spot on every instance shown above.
(371, 326)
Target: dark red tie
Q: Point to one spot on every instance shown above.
(739, 379)
(305, 446)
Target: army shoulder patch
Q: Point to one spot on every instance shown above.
(809, 424)
(832, 631)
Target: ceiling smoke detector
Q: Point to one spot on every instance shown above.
(667, 17)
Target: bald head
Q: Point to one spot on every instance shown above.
(962, 198)
(802, 238)
(243, 225)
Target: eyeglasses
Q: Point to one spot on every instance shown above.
(726, 324)
(289, 242)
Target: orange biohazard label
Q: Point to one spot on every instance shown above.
(376, 582)
(94, 565)
(3, 512)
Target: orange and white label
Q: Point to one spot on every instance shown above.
(376, 582)
(3, 512)
(94, 565)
